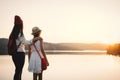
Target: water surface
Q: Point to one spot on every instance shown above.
(69, 67)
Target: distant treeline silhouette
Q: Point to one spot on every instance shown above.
(114, 49)
(59, 46)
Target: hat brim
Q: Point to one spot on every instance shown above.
(35, 32)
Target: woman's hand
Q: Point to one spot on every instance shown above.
(35, 39)
(22, 46)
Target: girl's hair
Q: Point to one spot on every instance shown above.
(18, 28)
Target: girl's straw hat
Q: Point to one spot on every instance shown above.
(35, 30)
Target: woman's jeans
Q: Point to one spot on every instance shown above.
(19, 60)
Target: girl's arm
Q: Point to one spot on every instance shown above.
(42, 50)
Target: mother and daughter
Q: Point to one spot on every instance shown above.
(36, 54)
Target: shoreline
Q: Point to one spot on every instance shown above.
(73, 52)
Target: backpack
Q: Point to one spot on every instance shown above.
(12, 47)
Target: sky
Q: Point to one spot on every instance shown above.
(83, 21)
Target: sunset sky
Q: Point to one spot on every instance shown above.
(88, 21)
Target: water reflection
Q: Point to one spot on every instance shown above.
(90, 51)
(70, 67)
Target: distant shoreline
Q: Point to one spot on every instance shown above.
(73, 52)
(56, 47)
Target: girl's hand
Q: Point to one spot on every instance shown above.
(47, 64)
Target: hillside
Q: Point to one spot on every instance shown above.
(58, 46)
(3, 46)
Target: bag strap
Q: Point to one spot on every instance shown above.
(19, 45)
(40, 54)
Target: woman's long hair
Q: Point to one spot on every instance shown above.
(18, 27)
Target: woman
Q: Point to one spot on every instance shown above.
(34, 55)
(19, 57)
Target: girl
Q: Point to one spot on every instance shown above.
(33, 55)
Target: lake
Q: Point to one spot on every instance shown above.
(69, 67)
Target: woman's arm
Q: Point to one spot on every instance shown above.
(26, 42)
(29, 52)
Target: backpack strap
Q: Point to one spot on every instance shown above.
(19, 45)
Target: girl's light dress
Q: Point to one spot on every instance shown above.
(35, 61)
